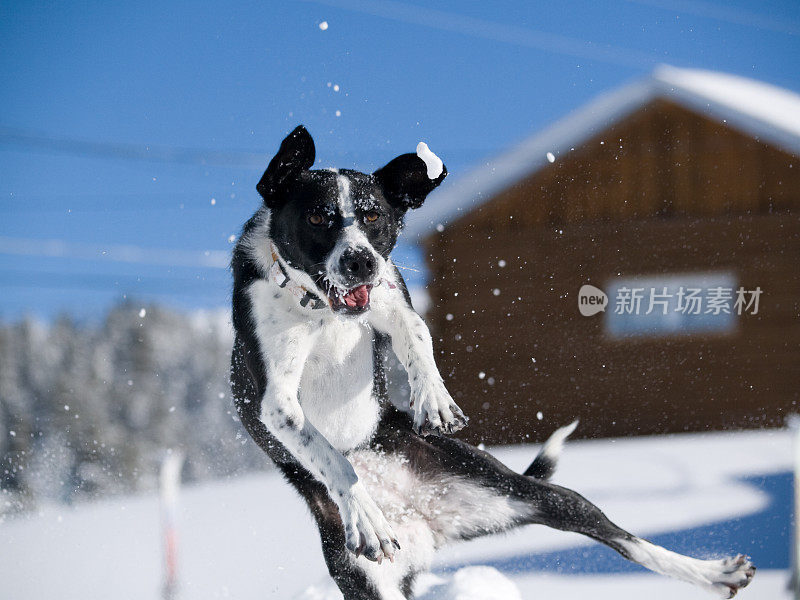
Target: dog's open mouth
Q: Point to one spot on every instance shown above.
(355, 300)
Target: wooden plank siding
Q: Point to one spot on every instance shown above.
(668, 191)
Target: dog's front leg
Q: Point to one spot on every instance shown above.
(434, 409)
(366, 530)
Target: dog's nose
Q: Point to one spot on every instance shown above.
(357, 264)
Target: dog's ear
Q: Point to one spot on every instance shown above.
(405, 180)
(295, 155)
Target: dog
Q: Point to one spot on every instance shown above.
(317, 306)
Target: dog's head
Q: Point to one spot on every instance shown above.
(337, 227)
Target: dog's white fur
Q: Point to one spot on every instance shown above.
(319, 418)
(351, 236)
(722, 577)
(426, 513)
(319, 403)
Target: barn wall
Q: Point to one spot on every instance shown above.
(680, 195)
(663, 160)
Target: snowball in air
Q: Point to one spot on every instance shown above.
(432, 162)
(323, 26)
(142, 313)
(551, 157)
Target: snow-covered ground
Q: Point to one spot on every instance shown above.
(251, 537)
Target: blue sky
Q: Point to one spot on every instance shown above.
(109, 111)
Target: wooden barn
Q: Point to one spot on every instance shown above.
(686, 184)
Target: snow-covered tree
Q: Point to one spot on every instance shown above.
(87, 410)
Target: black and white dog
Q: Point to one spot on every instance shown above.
(317, 302)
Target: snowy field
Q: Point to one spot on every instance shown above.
(251, 537)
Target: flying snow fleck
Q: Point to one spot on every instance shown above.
(496, 291)
(336, 88)
(539, 415)
(501, 263)
(481, 375)
(440, 228)
(338, 113)
(142, 313)
(551, 157)
(213, 201)
(323, 26)
(231, 239)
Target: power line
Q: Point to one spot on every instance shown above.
(498, 32)
(727, 14)
(52, 144)
(160, 154)
(169, 257)
(144, 201)
(158, 285)
(181, 208)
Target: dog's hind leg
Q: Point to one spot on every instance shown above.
(343, 567)
(536, 501)
(361, 579)
(357, 577)
(567, 510)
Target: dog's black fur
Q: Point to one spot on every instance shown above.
(291, 193)
(557, 507)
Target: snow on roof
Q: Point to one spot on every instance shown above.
(764, 111)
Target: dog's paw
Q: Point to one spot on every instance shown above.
(434, 410)
(367, 532)
(731, 574)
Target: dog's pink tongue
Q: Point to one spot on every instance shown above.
(357, 297)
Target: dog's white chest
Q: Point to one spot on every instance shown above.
(337, 383)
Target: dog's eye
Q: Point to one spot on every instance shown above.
(371, 216)
(316, 219)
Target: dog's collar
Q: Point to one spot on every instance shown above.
(307, 298)
(279, 274)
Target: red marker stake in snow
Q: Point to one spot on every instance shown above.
(169, 487)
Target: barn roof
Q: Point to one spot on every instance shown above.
(766, 112)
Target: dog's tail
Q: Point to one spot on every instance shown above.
(544, 465)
